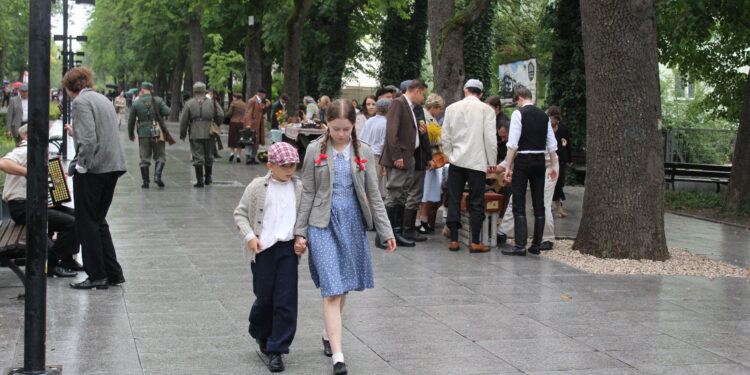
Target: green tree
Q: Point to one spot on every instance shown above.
(709, 41)
(402, 43)
(14, 39)
(479, 51)
(566, 73)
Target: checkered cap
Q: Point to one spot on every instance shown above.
(281, 153)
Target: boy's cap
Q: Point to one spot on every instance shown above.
(382, 105)
(475, 83)
(281, 153)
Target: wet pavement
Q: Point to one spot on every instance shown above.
(184, 307)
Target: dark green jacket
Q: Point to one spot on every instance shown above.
(142, 114)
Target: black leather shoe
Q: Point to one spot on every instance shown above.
(327, 348)
(231, 158)
(339, 368)
(546, 246)
(90, 284)
(401, 240)
(515, 250)
(501, 238)
(71, 264)
(262, 346)
(535, 249)
(115, 281)
(380, 244)
(275, 363)
(60, 271)
(412, 234)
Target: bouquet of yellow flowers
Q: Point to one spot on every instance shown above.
(281, 116)
(434, 132)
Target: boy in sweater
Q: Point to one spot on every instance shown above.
(265, 218)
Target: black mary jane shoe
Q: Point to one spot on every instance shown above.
(327, 348)
(275, 363)
(90, 284)
(425, 228)
(60, 271)
(339, 368)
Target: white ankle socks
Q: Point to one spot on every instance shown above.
(337, 357)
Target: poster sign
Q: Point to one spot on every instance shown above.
(516, 73)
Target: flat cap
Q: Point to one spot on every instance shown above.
(23, 87)
(199, 88)
(475, 83)
(382, 105)
(147, 85)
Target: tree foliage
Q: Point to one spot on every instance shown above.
(566, 73)
(14, 38)
(479, 51)
(403, 40)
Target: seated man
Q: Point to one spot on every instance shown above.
(60, 261)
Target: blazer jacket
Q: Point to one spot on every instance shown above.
(15, 115)
(95, 132)
(317, 188)
(400, 134)
(254, 118)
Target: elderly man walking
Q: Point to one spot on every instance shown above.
(470, 144)
(145, 115)
(18, 112)
(196, 120)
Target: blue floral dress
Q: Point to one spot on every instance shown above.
(340, 259)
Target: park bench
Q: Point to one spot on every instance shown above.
(13, 247)
(690, 172)
(579, 165)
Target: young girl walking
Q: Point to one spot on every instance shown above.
(340, 201)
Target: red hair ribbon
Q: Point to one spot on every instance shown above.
(321, 158)
(361, 163)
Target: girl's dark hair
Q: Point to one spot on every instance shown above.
(364, 104)
(494, 101)
(341, 109)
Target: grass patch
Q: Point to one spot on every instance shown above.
(680, 200)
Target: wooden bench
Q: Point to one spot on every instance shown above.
(690, 172)
(579, 165)
(13, 247)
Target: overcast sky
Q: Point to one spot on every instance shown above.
(77, 19)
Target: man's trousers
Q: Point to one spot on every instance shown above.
(529, 169)
(457, 179)
(150, 148)
(202, 152)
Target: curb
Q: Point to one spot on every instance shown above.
(707, 219)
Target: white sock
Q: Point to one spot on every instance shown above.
(337, 357)
(325, 335)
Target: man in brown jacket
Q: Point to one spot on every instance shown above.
(255, 119)
(401, 140)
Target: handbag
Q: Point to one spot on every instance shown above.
(439, 159)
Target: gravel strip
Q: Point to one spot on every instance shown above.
(682, 263)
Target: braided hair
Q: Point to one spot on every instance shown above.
(342, 109)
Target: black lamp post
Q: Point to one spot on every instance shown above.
(35, 311)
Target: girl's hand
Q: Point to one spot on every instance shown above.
(254, 245)
(391, 245)
(300, 244)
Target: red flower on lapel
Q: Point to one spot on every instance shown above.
(361, 163)
(321, 158)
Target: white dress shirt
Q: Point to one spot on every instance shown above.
(514, 135)
(373, 133)
(25, 105)
(278, 223)
(413, 117)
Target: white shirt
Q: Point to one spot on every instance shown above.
(25, 105)
(414, 117)
(15, 185)
(278, 223)
(469, 138)
(514, 135)
(374, 133)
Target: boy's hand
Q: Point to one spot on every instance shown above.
(254, 245)
(300, 244)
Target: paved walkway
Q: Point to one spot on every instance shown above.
(184, 307)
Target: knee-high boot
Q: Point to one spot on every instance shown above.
(209, 171)
(521, 234)
(409, 232)
(396, 218)
(144, 176)
(157, 173)
(198, 176)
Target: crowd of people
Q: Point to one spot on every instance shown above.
(388, 166)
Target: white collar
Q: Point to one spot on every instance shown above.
(411, 105)
(344, 153)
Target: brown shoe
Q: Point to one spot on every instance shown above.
(454, 246)
(478, 248)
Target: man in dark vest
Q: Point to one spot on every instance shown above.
(529, 137)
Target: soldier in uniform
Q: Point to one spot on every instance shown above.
(196, 119)
(150, 138)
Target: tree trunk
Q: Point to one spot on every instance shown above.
(253, 59)
(623, 205)
(447, 28)
(738, 194)
(292, 50)
(196, 45)
(177, 81)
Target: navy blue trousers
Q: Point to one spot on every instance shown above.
(273, 317)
